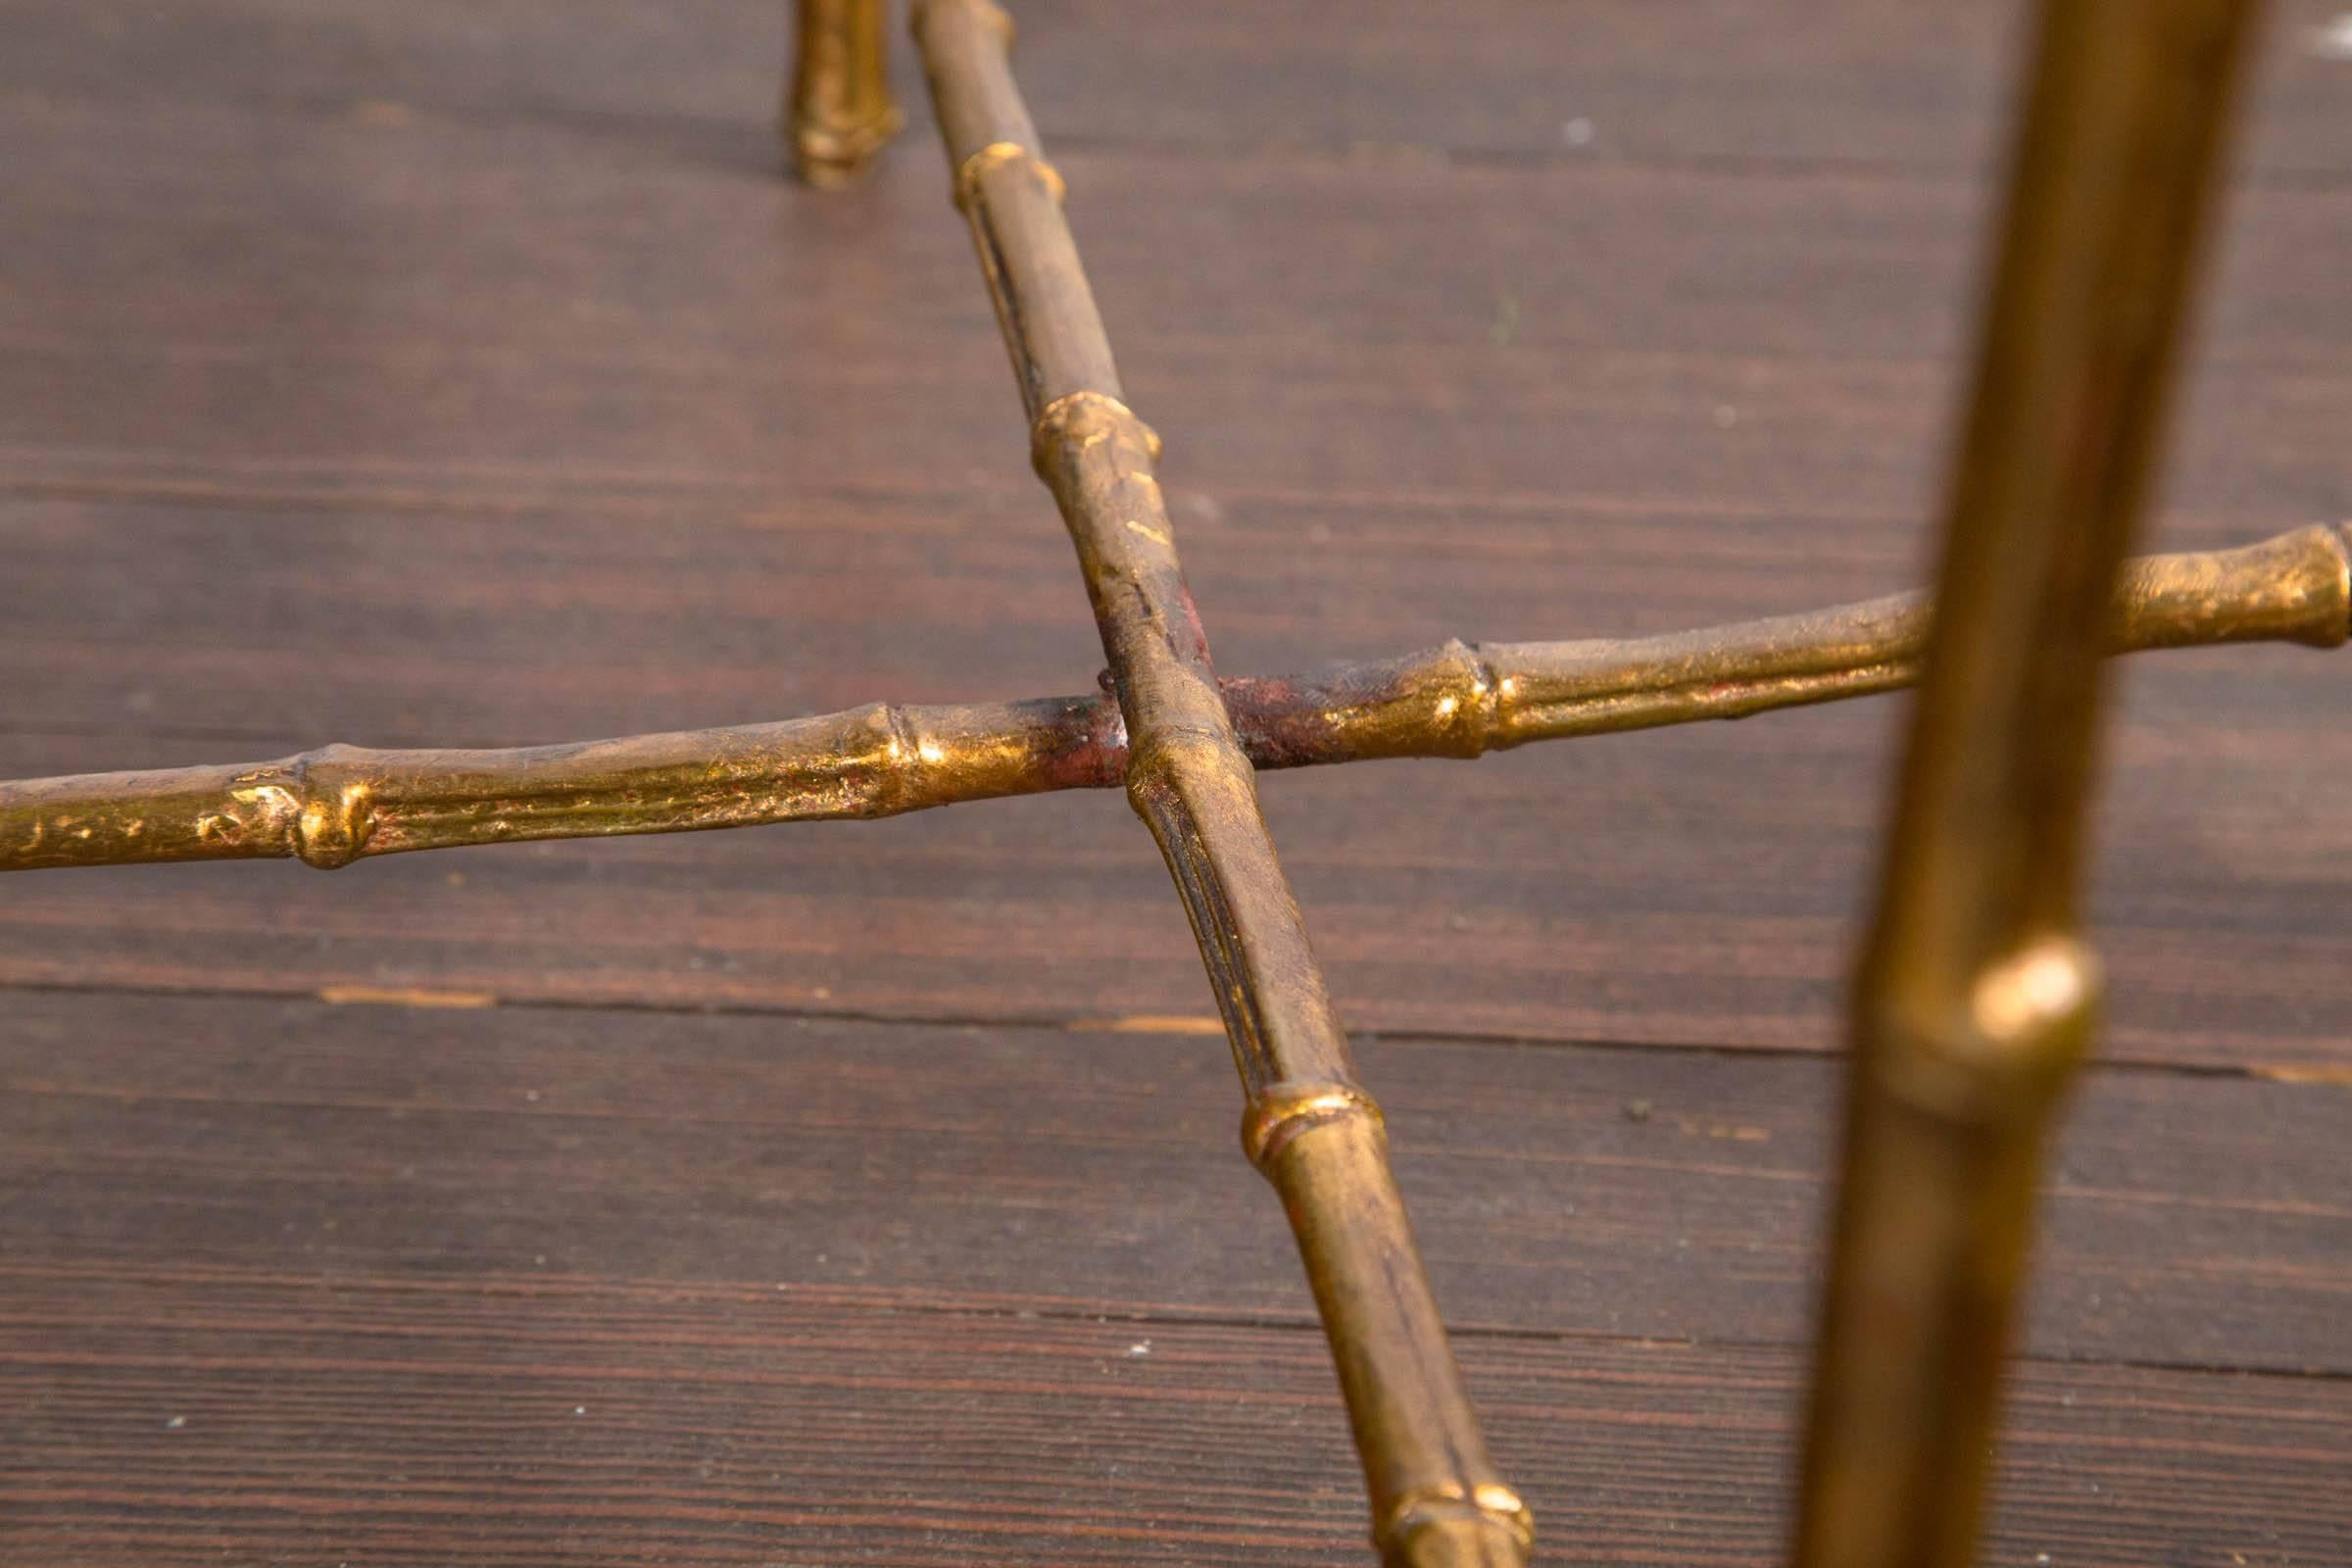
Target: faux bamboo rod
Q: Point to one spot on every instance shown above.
(838, 112)
(1976, 997)
(339, 804)
(1437, 1498)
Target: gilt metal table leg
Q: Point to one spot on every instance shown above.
(1976, 997)
(1437, 1500)
(837, 111)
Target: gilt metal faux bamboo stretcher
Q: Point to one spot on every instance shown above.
(1975, 998)
(335, 804)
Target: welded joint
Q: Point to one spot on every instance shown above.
(1174, 754)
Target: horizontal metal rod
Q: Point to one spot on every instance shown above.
(338, 804)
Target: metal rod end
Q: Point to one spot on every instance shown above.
(829, 154)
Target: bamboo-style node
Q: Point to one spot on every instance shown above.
(1055, 424)
(1280, 1112)
(995, 155)
(2006, 1054)
(1450, 1511)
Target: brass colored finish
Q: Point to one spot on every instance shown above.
(1436, 1496)
(335, 804)
(839, 112)
(1461, 700)
(1976, 998)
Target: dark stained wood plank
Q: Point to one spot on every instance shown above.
(1657, 1195)
(446, 306)
(1878, 85)
(336, 232)
(1868, 84)
(465, 624)
(497, 465)
(167, 1415)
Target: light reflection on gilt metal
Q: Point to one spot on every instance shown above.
(339, 804)
(1974, 1002)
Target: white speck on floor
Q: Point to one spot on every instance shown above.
(1577, 133)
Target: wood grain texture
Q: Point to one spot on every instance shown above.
(1877, 86)
(1563, 1189)
(431, 373)
(529, 1419)
(1553, 333)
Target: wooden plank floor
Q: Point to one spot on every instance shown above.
(870, 1193)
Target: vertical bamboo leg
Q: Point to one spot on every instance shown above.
(1437, 1500)
(838, 112)
(1975, 998)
